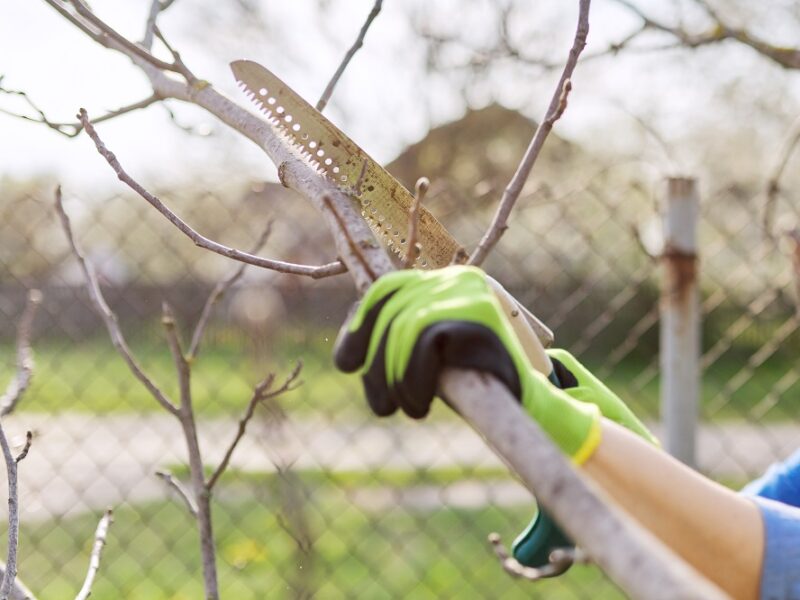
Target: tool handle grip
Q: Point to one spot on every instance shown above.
(533, 546)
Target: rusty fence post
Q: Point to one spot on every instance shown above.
(680, 319)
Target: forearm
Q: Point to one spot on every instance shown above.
(714, 529)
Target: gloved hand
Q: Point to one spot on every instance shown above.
(533, 546)
(412, 324)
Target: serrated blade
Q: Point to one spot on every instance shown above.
(385, 203)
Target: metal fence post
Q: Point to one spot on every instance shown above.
(680, 319)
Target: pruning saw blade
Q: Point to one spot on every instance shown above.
(385, 203)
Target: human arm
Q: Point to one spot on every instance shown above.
(716, 530)
(410, 326)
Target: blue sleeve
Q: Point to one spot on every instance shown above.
(777, 495)
(781, 482)
(780, 572)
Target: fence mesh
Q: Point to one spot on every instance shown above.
(321, 499)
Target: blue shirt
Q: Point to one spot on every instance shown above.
(777, 494)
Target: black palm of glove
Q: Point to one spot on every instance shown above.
(410, 326)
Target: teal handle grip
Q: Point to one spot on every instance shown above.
(533, 546)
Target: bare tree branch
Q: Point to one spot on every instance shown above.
(773, 185)
(412, 250)
(216, 294)
(326, 95)
(70, 130)
(182, 492)
(719, 31)
(22, 378)
(315, 272)
(176, 67)
(10, 587)
(150, 24)
(176, 350)
(26, 448)
(109, 318)
(558, 104)
(260, 393)
(12, 463)
(344, 230)
(97, 551)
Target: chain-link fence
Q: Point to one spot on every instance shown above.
(321, 499)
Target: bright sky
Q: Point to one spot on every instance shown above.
(384, 101)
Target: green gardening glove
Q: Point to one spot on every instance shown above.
(412, 324)
(533, 546)
(580, 384)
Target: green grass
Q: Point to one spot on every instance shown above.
(152, 551)
(351, 479)
(730, 389)
(89, 376)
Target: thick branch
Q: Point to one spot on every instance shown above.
(639, 563)
(315, 272)
(106, 314)
(260, 393)
(100, 535)
(326, 95)
(558, 104)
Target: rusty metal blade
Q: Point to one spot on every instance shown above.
(385, 203)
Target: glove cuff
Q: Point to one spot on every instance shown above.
(574, 426)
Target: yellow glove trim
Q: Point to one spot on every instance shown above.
(590, 444)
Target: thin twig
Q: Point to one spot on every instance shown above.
(26, 448)
(718, 31)
(150, 25)
(326, 95)
(636, 235)
(22, 378)
(773, 185)
(354, 248)
(182, 492)
(216, 294)
(315, 272)
(412, 249)
(100, 535)
(84, 11)
(556, 108)
(176, 58)
(793, 237)
(109, 318)
(181, 364)
(260, 393)
(71, 130)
